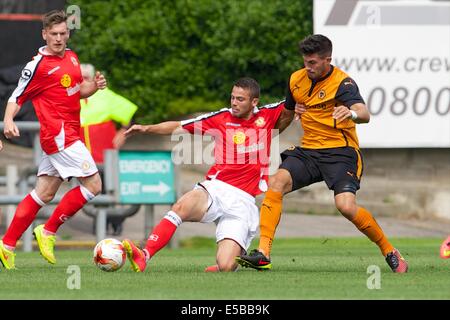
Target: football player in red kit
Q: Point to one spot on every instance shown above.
(242, 135)
(53, 82)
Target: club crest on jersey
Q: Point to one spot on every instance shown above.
(239, 137)
(260, 122)
(321, 94)
(74, 61)
(65, 80)
(85, 166)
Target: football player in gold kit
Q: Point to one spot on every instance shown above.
(329, 105)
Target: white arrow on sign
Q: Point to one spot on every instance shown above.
(162, 188)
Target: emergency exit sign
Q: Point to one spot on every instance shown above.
(146, 177)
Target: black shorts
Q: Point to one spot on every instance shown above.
(340, 168)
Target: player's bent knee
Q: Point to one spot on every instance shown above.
(346, 208)
(95, 188)
(177, 207)
(93, 184)
(46, 197)
(343, 208)
(98, 188)
(227, 266)
(180, 209)
(279, 183)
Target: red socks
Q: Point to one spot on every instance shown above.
(25, 213)
(27, 209)
(163, 232)
(72, 201)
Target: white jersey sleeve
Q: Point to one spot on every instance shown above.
(22, 91)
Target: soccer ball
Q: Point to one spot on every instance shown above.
(109, 255)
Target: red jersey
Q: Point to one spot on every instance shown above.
(242, 147)
(53, 84)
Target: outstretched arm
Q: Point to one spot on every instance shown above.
(162, 128)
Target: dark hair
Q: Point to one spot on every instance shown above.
(53, 17)
(249, 84)
(316, 43)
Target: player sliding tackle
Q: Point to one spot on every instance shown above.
(242, 136)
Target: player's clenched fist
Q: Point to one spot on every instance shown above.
(341, 113)
(11, 130)
(300, 108)
(100, 80)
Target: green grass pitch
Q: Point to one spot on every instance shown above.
(334, 268)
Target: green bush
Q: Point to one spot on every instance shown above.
(179, 56)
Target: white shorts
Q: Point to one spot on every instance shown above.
(74, 161)
(234, 211)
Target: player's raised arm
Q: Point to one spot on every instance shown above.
(162, 128)
(10, 129)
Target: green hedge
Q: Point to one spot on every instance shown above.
(180, 56)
